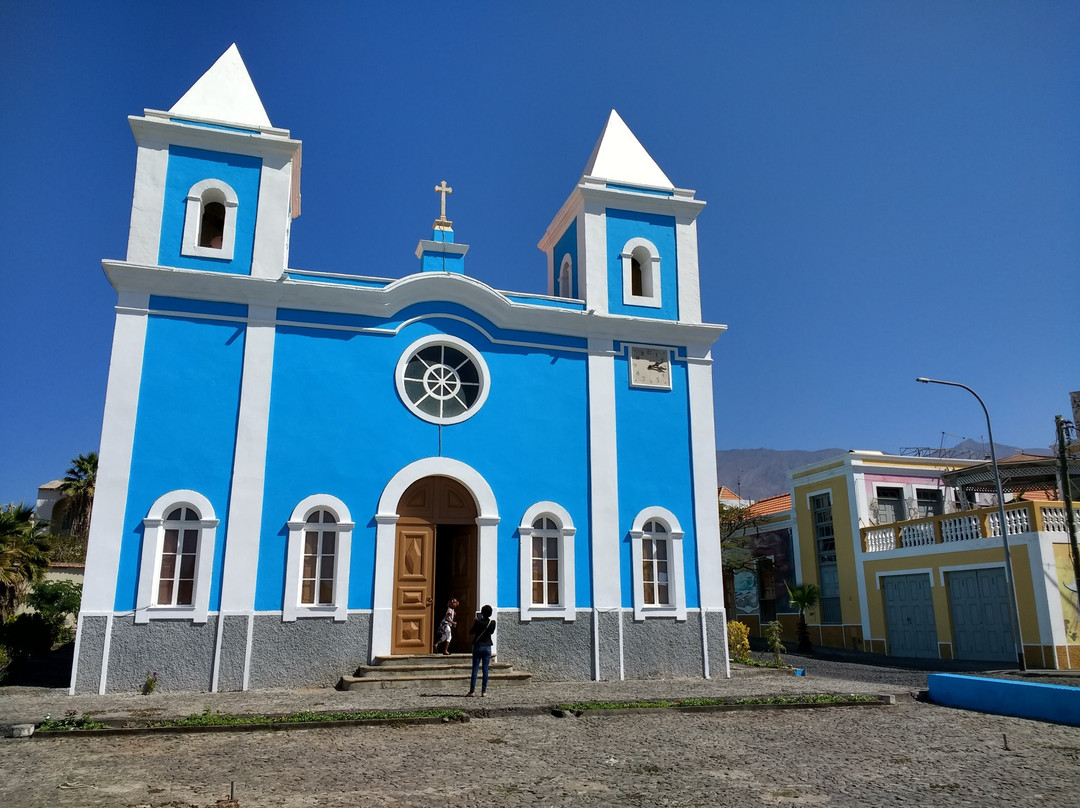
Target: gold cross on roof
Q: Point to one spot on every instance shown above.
(442, 223)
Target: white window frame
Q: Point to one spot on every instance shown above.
(453, 342)
(150, 565)
(202, 193)
(292, 608)
(649, 258)
(566, 277)
(567, 604)
(676, 576)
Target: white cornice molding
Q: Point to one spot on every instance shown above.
(681, 204)
(157, 133)
(387, 301)
(567, 213)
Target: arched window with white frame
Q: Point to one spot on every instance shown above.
(566, 277)
(641, 273)
(210, 220)
(179, 534)
(657, 564)
(317, 559)
(547, 562)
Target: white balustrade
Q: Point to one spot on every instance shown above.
(880, 539)
(1054, 520)
(960, 528)
(1016, 522)
(919, 534)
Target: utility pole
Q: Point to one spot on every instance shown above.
(1066, 494)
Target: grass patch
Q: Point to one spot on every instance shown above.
(817, 698)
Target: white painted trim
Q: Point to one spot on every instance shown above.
(198, 196)
(686, 254)
(250, 642)
(153, 536)
(439, 340)
(622, 647)
(386, 519)
(860, 557)
(566, 270)
(385, 302)
(596, 643)
(216, 664)
(148, 203)
(704, 643)
(75, 660)
(292, 608)
(928, 571)
(703, 465)
(650, 274)
(106, 651)
(273, 220)
(592, 260)
(244, 533)
(676, 571)
(114, 464)
(605, 534)
(1047, 588)
(567, 585)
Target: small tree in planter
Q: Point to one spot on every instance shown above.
(738, 638)
(805, 598)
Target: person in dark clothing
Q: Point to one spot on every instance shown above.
(483, 631)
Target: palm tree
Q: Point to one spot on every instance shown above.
(805, 597)
(24, 555)
(78, 487)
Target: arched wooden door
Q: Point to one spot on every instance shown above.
(434, 559)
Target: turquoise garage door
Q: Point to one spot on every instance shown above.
(909, 616)
(979, 604)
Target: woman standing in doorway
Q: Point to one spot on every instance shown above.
(483, 631)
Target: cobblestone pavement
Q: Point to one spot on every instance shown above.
(912, 753)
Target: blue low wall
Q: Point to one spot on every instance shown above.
(1055, 703)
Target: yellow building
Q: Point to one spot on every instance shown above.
(910, 562)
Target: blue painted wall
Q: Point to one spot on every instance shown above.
(185, 430)
(653, 445)
(567, 244)
(337, 426)
(189, 166)
(624, 225)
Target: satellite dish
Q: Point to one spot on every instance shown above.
(1071, 587)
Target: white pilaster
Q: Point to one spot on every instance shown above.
(114, 462)
(686, 249)
(604, 482)
(703, 460)
(271, 251)
(249, 465)
(148, 202)
(592, 261)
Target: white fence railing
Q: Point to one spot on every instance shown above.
(982, 524)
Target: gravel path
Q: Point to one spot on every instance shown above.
(912, 753)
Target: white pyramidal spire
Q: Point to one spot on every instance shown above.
(224, 93)
(620, 157)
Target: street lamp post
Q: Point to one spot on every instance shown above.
(1001, 519)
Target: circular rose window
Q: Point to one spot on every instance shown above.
(442, 379)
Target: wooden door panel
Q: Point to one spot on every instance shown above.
(414, 561)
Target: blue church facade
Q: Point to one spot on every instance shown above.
(298, 469)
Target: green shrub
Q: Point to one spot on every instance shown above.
(55, 600)
(738, 638)
(774, 637)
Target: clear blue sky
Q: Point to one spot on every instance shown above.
(893, 188)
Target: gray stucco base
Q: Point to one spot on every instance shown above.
(318, 651)
(654, 648)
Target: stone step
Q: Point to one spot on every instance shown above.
(459, 679)
(426, 670)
